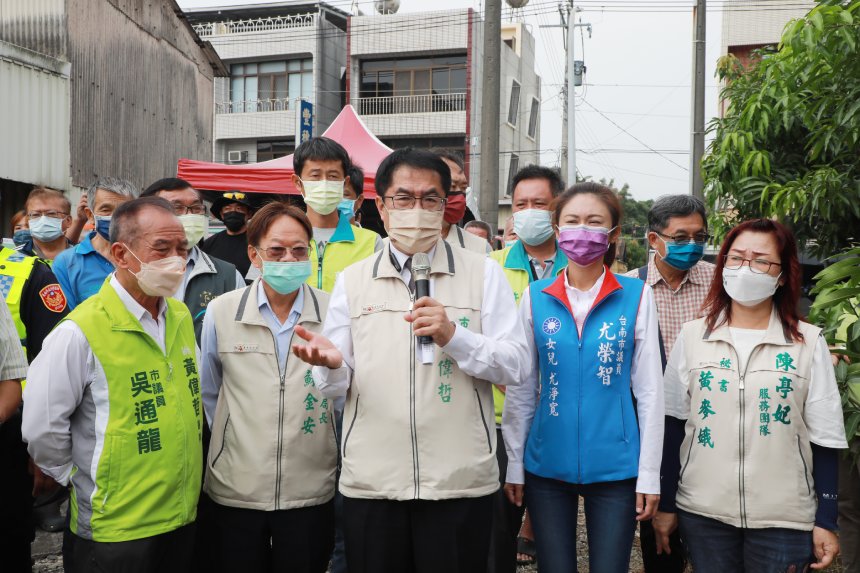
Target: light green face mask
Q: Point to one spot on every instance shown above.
(286, 276)
(196, 227)
(323, 196)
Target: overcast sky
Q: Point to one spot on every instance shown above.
(639, 74)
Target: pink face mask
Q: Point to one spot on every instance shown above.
(583, 244)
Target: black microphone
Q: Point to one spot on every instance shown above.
(421, 274)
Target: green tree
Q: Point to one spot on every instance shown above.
(789, 143)
(634, 225)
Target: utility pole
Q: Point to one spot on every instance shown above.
(697, 144)
(571, 97)
(567, 71)
(490, 113)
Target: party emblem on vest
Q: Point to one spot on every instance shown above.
(551, 325)
(53, 298)
(245, 347)
(372, 308)
(205, 298)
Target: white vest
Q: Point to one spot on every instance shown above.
(746, 458)
(413, 430)
(273, 443)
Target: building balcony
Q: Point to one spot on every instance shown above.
(255, 119)
(432, 114)
(257, 105)
(291, 22)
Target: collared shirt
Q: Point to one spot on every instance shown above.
(645, 381)
(190, 264)
(81, 271)
(542, 271)
(496, 354)
(59, 379)
(13, 363)
(675, 307)
(211, 373)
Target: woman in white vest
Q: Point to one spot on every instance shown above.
(272, 458)
(753, 478)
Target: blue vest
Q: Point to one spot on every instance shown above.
(585, 428)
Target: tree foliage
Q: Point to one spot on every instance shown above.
(788, 145)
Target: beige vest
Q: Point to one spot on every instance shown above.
(414, 430)
(273, 443)
(746, 458)
(466, 240)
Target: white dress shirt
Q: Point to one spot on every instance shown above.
(59, 377)
(498, 354)
(645, 380)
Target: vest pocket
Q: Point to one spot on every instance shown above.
(805, 467)
(112, 474)
(623, 421)
(687, 460)
(351, 424)
(223, 441)
(484, 421)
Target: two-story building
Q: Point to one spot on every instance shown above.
(277, 54)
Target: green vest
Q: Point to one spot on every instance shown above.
(515, 264)
(146, 451)
(348, 245)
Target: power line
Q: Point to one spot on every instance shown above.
(610, 120)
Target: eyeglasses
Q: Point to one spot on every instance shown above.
(405, 201)
(234, 195)
(761, 266)
(682, 239)
(277, 253)
(195, 209)
(52, 214)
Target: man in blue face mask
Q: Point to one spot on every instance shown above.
(272, 458)
(49, 216)
(82, 270)
(680, 279)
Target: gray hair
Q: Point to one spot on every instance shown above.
(669, 206)
(114, 185)
(480, 225)
(123, 225)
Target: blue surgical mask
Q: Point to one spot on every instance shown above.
(533, 226)
(286, 277)
(683, 257)
(46, 229)
(103, 226)
(346, 208)
(22, 237)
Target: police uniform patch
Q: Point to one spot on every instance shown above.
(53, 298)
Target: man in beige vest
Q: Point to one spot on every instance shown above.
(419, 467)
(273, 454)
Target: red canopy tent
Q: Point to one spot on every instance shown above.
(275, 176)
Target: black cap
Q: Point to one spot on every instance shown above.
(228, 197)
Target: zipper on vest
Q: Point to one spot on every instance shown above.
(742, 500)
(283, 375)
(484, 421)
(320, 265)
(805, 467)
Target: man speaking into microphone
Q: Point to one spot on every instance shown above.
(419, 466)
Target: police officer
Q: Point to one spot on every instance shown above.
(36, 304)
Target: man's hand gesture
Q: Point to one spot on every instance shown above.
(319, 351)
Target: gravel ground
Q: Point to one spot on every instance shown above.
(46, 551)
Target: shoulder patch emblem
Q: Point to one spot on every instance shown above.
(53, 298)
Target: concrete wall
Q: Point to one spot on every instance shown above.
(407, 34)
(744, 25)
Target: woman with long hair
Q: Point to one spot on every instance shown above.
(752, 481)
(573, 427)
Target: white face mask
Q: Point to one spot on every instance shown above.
(322, 196)
(159, 278)
(196, 227)
(748, 288)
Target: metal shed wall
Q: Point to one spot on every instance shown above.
(34, 118)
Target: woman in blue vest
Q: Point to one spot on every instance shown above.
(574, 428)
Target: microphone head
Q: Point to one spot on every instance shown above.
(421, 266)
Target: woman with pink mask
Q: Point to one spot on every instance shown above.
(588, 420)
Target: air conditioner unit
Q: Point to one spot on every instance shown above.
(237, 157)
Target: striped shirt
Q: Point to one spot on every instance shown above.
(13, 363)
(675, 307)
